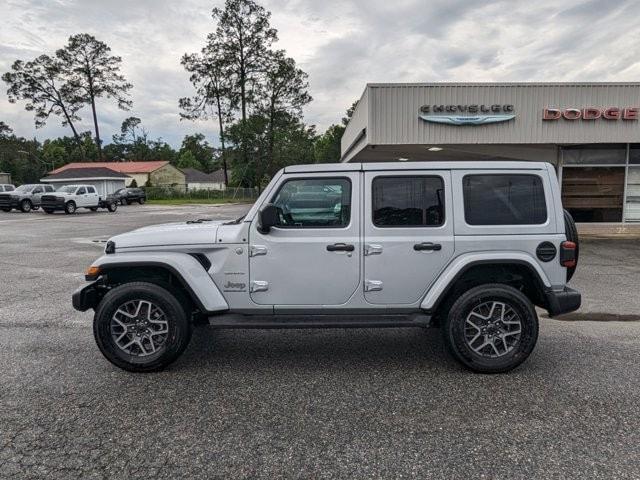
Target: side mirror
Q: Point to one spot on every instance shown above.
(268, 218)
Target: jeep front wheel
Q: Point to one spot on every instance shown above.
(491, 328)
(69, 208)
(141, 327)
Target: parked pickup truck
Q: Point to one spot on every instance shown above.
(470, 247)
(24, 198)
(72, 197)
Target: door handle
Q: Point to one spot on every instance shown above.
(340, 247)
(428, 246)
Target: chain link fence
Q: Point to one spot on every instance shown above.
(181, 192)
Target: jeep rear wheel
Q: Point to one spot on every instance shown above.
(25, 206)
(69, 208)
(491, 328)
(141, 327)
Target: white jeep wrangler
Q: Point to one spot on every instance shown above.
(469, 247)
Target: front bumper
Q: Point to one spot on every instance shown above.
(87, 297)
(563, 301)
(9, 203)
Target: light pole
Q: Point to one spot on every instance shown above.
(42, 162)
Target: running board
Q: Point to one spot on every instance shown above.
(235, 320)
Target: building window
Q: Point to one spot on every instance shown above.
(314, 203)
(408, 201)
(634, 154)
(593, 194)
(632, 212)
(595, 155)
(500, 199)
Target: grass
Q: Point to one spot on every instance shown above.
(198, 201)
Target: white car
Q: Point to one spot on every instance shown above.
(71, 197)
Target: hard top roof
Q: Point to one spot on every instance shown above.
(399, 166)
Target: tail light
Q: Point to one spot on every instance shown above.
(568, 254)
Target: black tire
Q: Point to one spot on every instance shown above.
(112, 207)
(124, 201)
(455, 338)
(179, 326)
(141, 201)
(26, 206)
(70, 208)
(93, 209)
(6, 209)
(571, 233)
(48, 210)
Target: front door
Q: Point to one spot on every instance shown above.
(408, 237)
(312, 257)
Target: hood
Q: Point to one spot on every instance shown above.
(169, 234)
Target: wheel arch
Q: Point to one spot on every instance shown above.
(515, 270)
(181, 270)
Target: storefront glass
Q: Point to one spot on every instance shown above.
(632, 212)
(595, 155)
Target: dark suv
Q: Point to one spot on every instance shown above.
(129, 195)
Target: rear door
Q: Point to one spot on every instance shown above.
(92, 196)
(408, 233)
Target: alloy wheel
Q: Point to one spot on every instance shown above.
(492, 329)
(140, 328)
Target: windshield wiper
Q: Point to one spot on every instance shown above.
(200, 220)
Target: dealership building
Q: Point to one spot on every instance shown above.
(590, 132)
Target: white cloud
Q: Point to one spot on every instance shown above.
(341, 44)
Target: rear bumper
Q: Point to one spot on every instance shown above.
(563, 301)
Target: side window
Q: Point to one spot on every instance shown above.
(9, 188)
(37, 190)
(408, 201)
(91, 190)
(314, 203)
(48, 188)
(81, 191)
(504, 199)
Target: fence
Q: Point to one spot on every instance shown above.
(181, 192)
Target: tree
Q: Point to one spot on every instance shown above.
(283, 94)
(201, 150)
(214, 93)
(327, 148)
(133, 184)
(5, 130)
(243, 37)
(95, 73)
(42, 84)
(188, 160)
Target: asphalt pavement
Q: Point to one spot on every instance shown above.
(363, 403)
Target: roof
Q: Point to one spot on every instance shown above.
(397, 166)
(122, 167)
(85, 174)
(196, 176)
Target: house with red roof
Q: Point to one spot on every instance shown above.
(159, 173)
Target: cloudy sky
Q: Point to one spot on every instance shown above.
(341, 44)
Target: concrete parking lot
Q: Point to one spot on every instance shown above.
(337, 404)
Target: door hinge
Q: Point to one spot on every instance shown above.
(372, 249)
(256, 250)
(372, 285)
(259, 286)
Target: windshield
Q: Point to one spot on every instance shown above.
(67, 189)
(24, 188)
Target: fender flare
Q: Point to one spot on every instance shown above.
(461, 264)
(189, 271)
